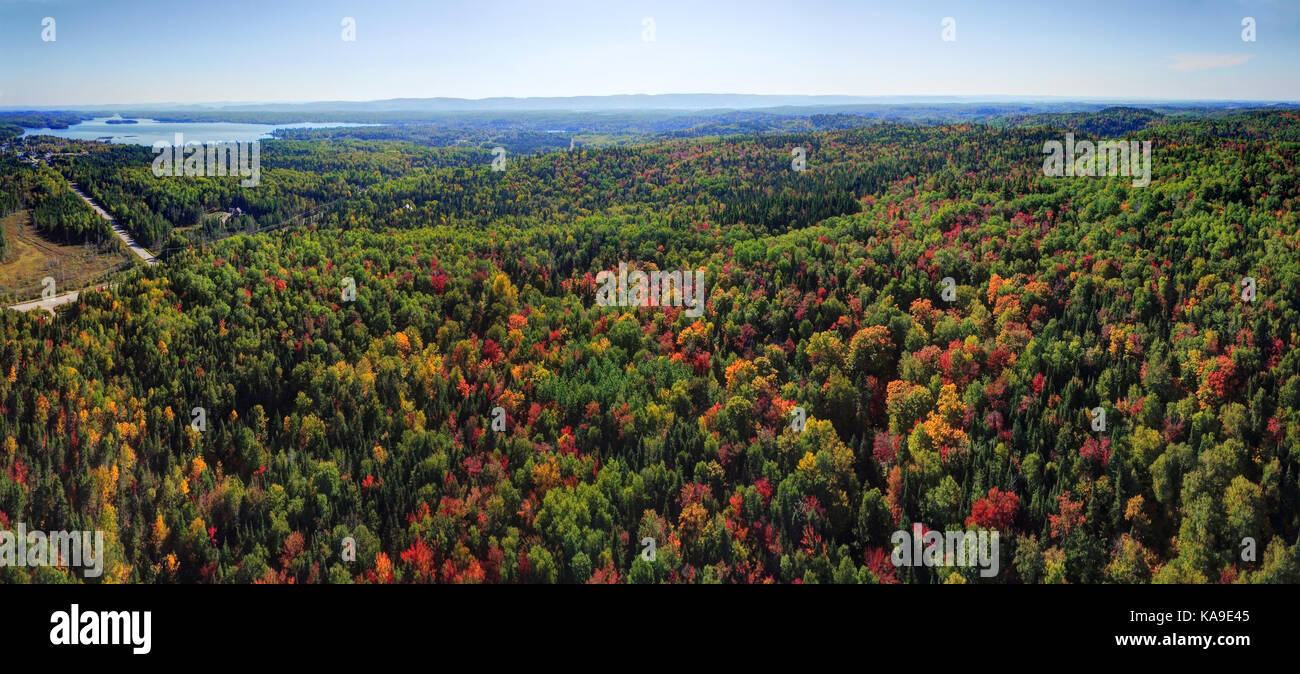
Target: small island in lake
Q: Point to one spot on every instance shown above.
(121, 121)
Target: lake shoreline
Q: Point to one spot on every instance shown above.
(146, 131)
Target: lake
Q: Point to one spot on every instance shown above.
(146, 131)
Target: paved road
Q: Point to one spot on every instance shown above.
(49, 304)
(121, 232)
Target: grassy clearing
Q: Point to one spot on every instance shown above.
(32, 257)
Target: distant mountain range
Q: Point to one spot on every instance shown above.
(624, 102)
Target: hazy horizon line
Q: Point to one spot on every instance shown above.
(971, 98)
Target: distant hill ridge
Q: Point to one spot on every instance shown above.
(626, 102)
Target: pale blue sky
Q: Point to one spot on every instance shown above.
(148, 51)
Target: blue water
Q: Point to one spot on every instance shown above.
(146, 131)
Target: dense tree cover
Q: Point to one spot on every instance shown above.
(10, 192)
(373, 419)
(297, 176)
(1108, 123)
(57, 212)
(63, 216)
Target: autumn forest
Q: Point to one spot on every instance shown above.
(387, 363)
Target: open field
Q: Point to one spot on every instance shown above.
(32, 257)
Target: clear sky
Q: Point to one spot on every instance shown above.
(151, 51)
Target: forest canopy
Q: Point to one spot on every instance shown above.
(472, 414)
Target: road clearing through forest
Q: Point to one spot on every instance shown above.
(48, 303)
(120, 231)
